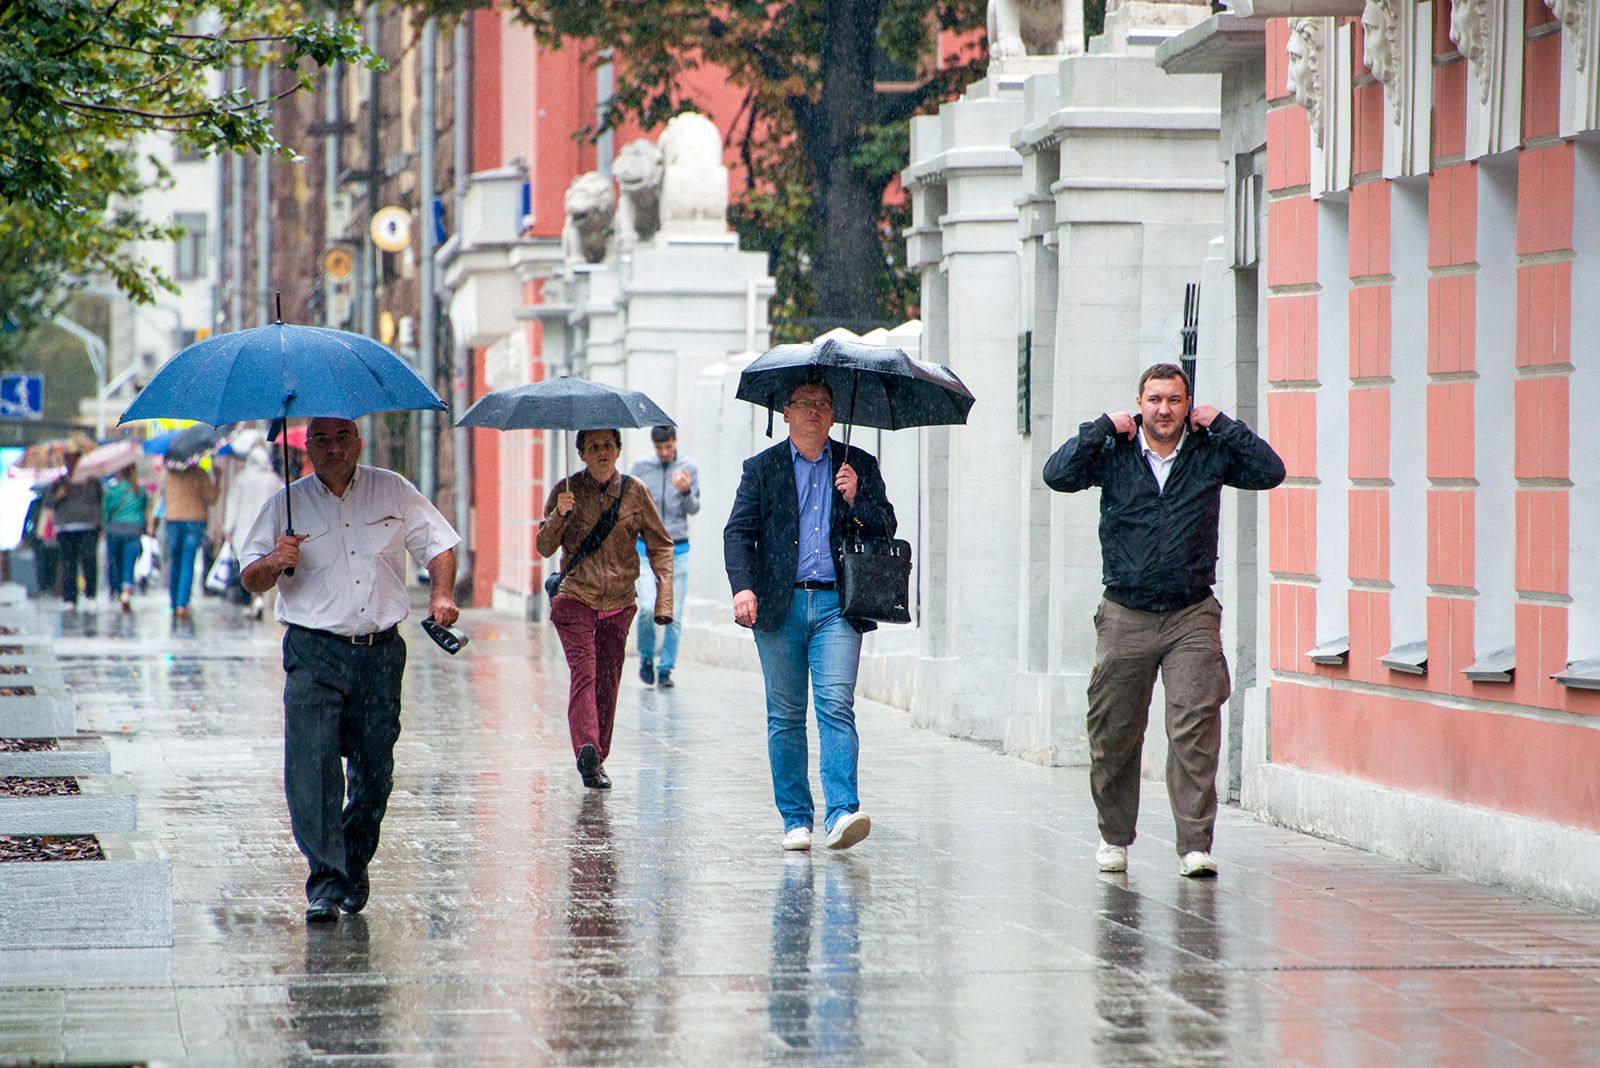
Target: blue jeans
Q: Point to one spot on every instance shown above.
(122, 552)
(183, 542)
(646, 635)
(814, 640)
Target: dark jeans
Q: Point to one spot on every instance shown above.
(122, 552)
(339, 700)
(594, 649)
(183, 541)
(77, 556)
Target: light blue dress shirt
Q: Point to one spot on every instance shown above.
(813, 483)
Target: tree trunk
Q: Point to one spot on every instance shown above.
(848, 264)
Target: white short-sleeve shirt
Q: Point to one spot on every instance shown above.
(351, 575)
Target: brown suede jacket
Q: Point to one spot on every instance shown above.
(604, 580)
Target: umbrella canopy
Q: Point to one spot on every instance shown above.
(280, 370)
(106, 460)
(872, 385)
(564, 404)
(191, 443)
(48, 455)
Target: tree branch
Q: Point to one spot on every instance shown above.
(80, 105)
(86, 38)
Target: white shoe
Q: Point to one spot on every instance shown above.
(797, 839)
(1111, 858)
(1198, 865)
(849, 829)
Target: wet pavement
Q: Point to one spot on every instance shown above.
(517, 918)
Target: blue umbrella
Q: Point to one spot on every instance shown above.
(282, 371)
(279, 372)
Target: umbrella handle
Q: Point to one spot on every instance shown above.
(288, 496)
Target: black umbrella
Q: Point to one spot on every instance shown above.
(564, 404)
(872, 385)
(192, 442)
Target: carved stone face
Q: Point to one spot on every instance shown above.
(1466, 28)
(1378, 34)
(1302, 81)
(1567, 12)
(590, 201)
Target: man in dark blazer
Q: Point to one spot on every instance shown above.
(796, 503)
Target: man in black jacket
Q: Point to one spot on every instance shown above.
(795, 504)
(1160, 474)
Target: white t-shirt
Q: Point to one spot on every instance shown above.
(351, 575)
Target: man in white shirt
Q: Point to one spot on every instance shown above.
(343, 656)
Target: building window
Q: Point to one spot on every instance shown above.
(191, 246)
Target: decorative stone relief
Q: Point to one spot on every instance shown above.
(694, 183)
(1472, 29)
(590, 204)
(1035, 28)
(1489, 34)
(1380, 32)
(1575, 17)
(1580, 78)
(1307, 43)
(638, 171)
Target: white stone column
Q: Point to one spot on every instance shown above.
(971, 564)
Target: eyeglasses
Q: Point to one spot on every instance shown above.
(812, 405)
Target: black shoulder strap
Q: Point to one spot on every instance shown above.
(600, 531)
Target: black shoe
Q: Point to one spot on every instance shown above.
(647, 672)
(594, 776)
(664, 680)
(357, 890)
(322, 910)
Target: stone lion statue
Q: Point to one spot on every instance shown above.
(590, 204)
(1035, 27)
(638, 171)
(694, 183)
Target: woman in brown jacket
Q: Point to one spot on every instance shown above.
(594, 605)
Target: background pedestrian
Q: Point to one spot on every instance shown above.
(187, 493)
(126, 512)
(674, 485)
(77, 508)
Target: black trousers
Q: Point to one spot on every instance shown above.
(340, 701)
(77, 557)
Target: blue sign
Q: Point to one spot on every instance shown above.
(21, 396)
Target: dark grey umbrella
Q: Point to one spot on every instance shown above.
(564, 404)
(191, 443)
(872, 385)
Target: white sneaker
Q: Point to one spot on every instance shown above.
(1111, 858)
(1198, 865)
(797, 839)
(849, 829)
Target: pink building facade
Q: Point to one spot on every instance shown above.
(1431, 311)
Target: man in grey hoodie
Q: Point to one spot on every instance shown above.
(674, 483)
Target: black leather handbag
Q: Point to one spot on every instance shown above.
(875, 579)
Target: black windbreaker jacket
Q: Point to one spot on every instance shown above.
(1159, 550)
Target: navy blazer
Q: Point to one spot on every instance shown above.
(761, 543)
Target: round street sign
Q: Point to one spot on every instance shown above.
(391, 228)
(338, 264)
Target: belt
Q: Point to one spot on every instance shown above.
(375, 638)
(815, 584)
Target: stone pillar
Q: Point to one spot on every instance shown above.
(965, 180)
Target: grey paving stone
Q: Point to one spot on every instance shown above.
(69, 814)
(86, 905)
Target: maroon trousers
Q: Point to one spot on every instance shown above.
(594, 648)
